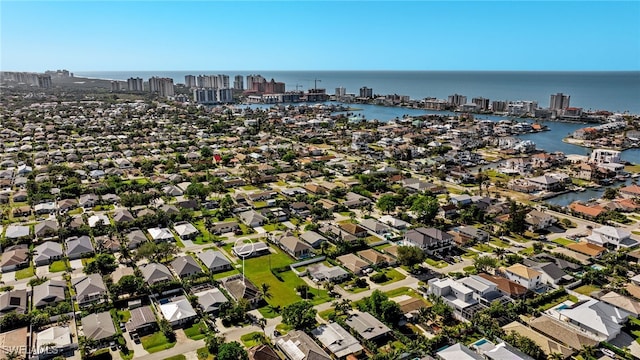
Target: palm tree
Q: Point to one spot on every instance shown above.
(265, 290)
(556, 356)
(587, 351)
(262, 322)
(499, 252)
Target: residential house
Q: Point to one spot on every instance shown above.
(254, 249)
(353, 263)
(135, 238)
(242, 288)
(354, 200)
(587, 248)
(321, 272)
(53, 341)
(547, 345)
(44, 229)
(538, 220)
(430, 240)
(498, 351)
(353, 229)
(375, 226)
(394, 222)
(15, 232)
(507, 287)
(100, 219)
(458, 351)
(547, 183)
(297, 345)
(295, 247)
(99, 327)
(210, 300)
(313, 238)
(106, 243)
(186, 266)
(630, 192)
(143, 321)
(590, 212)
(122, 216)
(178, 311)
(185, 230)
(551, 273)
(253, 218)
(78, 247)
(155, 273)
(47, 252)
(13, 301)
(460, 200)
(215, 261)
(48, 293)
(455, 294)
(337, 340)
(376, 258)
(622, 302)
(616, 236)
(160, 234)
(14, 257)
(262, 352)
(87, 201)
(48, 207)
(465, 234)
(524, 275)
(89, 289)
(561, 332)
(224, 227)
(301, 209)
(367, 327)
(595, 318)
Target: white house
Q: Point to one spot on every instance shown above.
(616, 236)
(523, 275)
(595, 318)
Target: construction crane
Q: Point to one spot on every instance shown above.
(315, 83)
(298, 86)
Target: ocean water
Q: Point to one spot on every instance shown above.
(613, 91)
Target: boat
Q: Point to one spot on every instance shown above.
(635, 176)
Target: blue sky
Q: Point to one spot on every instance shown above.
(319, 35)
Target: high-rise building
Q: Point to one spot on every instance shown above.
(483, 104)
(273, 87)
(499, 106)
(115, 86)
(212, 96)
(190, 81)
(366, 92)
(162, 86)
(559, 101)
(238, 82)
(457, 100)
(256, 83)
(135, 84)
(341, 91)
(222, 81)
(44, 81)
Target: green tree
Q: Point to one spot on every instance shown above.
(213, 342)
(410, 255)
(425, 207)
(232, 351)
(387, 203)
(610, 193)
(517, 214)
(198, 191)
(300, 315)
(206, 152)
(485, 263)
(103, 264)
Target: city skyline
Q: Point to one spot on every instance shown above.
(320, 35)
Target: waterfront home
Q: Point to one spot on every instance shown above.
(630, 192)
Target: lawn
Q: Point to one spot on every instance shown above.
(563, 241)
(527, 251)
(283, 292)
(124, 315)
(249, 187)
(86, 261)
(382, 247)
(372, 239)
(156, 342)
(393, 276)
(58, 266)
(252, 339)
(204, 237)
(558, 301)
(203, 354)
(632, 168)
(274, 227)
(436, 263)
(225, 274)
(586, 289)
(402, 291)
(483, 247)
(25, 273)
(500, 243)
(259, 204)
(197, 331)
